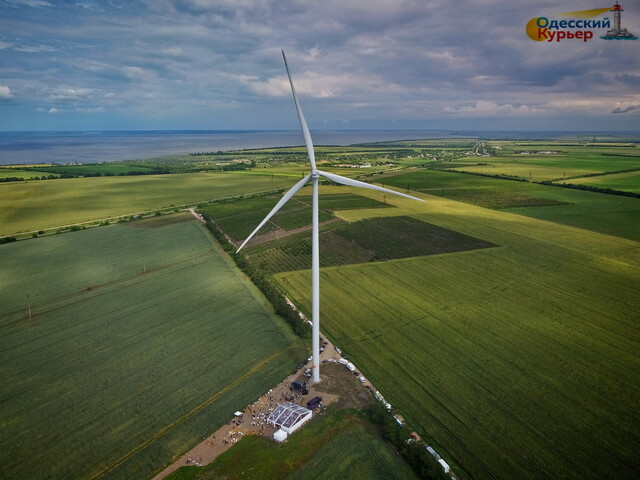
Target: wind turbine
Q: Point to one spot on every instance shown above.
(315, 239)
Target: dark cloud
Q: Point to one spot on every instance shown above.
(628, 109)
(356, 62)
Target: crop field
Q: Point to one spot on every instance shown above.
(626, 182)
(516, 361)
(239, 218)
(44, 204)
(338, 445)
(122, 346)
(609, 214)
(93, 169)
(553, 160)
(26, 173)
(368, 240)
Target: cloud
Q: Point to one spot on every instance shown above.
(70, 95)
(54, 111)
(318, 85)
(29, 3)
(484, 108)
(6, 93)
(380, 60)
(35, 49)
(628, 109)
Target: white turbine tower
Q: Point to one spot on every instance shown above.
(315, 241)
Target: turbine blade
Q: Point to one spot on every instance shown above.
(285, 198)
(303, 124)
(357, 183)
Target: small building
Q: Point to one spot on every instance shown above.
(289, 417)
(433, 452)
(280, 436)
(444, 465)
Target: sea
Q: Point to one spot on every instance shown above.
(18, 148)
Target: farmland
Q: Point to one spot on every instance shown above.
(626, 182)
(609, 214)
(45, 204)
(499, 317)
(536, 161)
(515, 359)
(123, 346)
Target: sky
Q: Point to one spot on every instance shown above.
(357, 64)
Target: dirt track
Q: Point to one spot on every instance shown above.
(280, 233)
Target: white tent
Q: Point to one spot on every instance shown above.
(289, 417)
(280, 436)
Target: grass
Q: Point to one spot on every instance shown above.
(608, 214)
(627, 182)
(537, 161)
(367, 240)
(336, 445)
(26, 173)
(239, 219)
(96, 169)
(516, 361)
(44, 204)
(118, 370)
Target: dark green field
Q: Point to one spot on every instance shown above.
(348, 243)
(122, 346)
(238, 219)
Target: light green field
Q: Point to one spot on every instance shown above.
(519, 361)
(608, 214)
(6, 172)
(44, 204)
(563, 161)
(529, 171)
(119, 370)
(626, 182)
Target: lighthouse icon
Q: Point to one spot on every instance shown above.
(618, 33)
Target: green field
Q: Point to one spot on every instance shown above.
(348, 243)
(94, 169)
(536, 161)
(239, 219)
(37, 205)
(142, 339)
(26, 173)
(519, 361)
(340, 445)
(608, 214)
(626, 182)
(499, 317)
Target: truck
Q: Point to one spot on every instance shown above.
(315, 402)
(299, 386)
